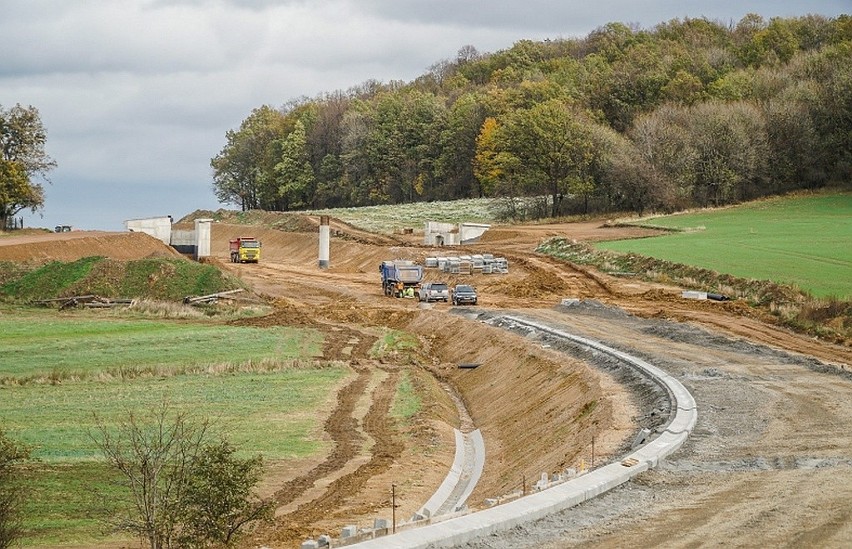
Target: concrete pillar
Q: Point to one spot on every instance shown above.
(202, 238)
(324, 241)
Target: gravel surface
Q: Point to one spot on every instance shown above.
(768, 463)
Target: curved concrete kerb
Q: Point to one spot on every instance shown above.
(462, 478)
(469, 527)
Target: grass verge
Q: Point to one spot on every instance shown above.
(830, 319)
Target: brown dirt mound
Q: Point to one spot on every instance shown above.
(42, 248)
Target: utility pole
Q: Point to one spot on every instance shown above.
(393, 506)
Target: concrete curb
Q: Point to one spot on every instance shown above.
(450, 481)
(478, 465)
(466, 528)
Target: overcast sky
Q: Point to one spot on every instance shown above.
(136, 95)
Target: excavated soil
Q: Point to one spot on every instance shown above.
(44, 247)
(769, 461)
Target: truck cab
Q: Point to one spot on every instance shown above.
(245, 250)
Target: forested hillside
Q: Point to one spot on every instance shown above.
(689, 113)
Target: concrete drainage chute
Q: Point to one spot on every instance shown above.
(468, 463)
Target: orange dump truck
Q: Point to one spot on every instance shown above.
(245, 249)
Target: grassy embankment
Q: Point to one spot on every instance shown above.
(156, 278)
(789, 255)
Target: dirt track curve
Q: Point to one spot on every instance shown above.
(770, 462)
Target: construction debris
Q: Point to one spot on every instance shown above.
(210, 298)
(91, 301)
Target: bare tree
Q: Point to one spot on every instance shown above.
(154, 457)
(185, 487)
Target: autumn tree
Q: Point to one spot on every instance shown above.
(553, 144)
(293, 172)
(731, 152)
(22, 160)
(242, 171)
(453, 167)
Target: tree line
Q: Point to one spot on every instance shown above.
(691, 112)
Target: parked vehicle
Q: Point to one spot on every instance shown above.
(245, 249)
(464, 294)
(398, 276)
(433, 291)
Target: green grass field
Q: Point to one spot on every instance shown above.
(55, 345)
(803, 241)
(52, 411)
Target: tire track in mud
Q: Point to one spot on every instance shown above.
(341, 342)
(388, 447)
(342, 427)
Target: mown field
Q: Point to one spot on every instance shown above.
(803, 241)
(61, 369)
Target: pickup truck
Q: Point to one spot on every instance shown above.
(433, 291)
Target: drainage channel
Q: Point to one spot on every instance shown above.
(670, 437)
(467, 467)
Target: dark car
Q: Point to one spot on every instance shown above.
(464, 295)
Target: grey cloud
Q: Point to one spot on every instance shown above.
(137, 95)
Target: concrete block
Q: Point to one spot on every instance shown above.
(309, 544)
(490, 502)
(542, 483)
(348, 531)
(324, 540)
(380, 523)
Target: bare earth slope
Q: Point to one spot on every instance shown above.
(74, 245)
(770, 461)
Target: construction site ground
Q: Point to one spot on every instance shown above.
(769, 462)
